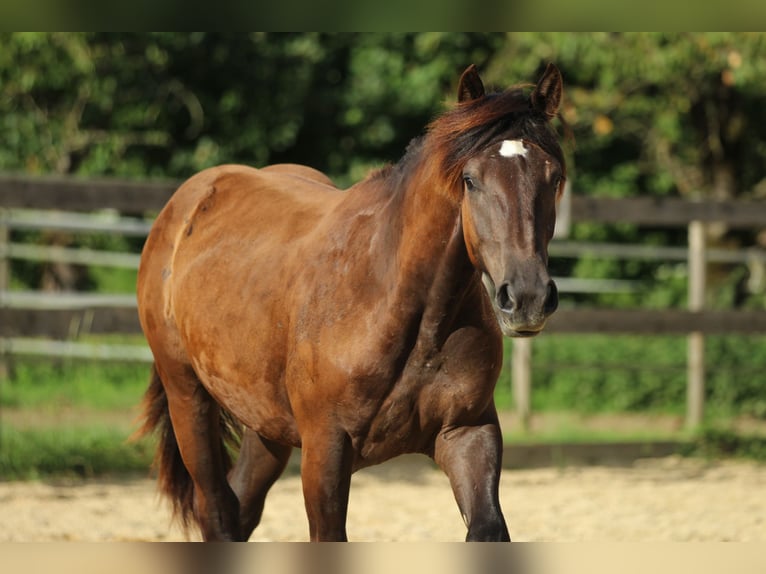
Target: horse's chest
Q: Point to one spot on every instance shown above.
(453, 387)
(397, 424)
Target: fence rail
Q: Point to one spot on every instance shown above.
(41, 324)
(128, 197)
(36, 318)
(668, 212)
(74, 256)
(657, 321)
(109, 222)
(75, 194)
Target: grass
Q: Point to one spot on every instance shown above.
(37, 384)
(84, 451)
(92, 449)
(73, 418)
(584, 435)
(717, 443)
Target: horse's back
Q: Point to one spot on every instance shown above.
(244, 186)
(236, 201)
(298, 171)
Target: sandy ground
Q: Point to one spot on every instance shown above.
(668, 499)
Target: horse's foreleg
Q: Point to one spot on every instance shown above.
(326, 464)
(259, 465)
(471, 458)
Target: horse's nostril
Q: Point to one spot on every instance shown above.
(551, 298)
(505, 301)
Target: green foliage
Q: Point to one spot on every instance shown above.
(655, 113)
(596, 373)
(110, 280)
(170, 104)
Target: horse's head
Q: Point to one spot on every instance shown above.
(511, 186)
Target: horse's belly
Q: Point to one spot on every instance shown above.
(254, 394)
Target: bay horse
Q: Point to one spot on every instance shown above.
(356, 325)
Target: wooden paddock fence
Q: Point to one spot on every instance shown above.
(46, 324)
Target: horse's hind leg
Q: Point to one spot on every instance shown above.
(259, 465)
(196, 419)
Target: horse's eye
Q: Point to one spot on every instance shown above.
(469, 185)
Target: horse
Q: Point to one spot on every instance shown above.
(357, 325)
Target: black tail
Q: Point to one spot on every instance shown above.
(174, 479)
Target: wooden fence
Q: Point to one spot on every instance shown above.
(49, 324)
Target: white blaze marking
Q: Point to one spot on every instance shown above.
(511, 148)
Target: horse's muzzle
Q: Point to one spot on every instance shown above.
(522, 309)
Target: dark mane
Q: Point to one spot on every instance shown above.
(469, 127)
(412, 151)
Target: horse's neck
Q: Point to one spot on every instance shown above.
(434, 270)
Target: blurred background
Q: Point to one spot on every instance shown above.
(660, 253)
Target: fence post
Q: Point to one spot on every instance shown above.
(521, 380)
(5, 280)
(695, 384)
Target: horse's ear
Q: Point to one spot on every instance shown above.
(471, 87)
(547, 95)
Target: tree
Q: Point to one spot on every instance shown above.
(658, 113)
(169, 104)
